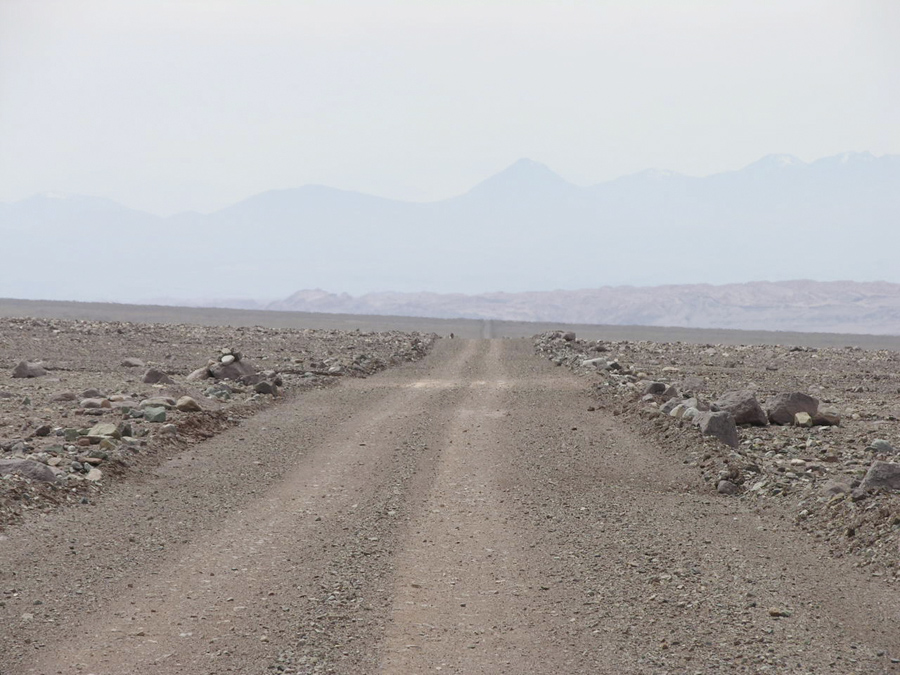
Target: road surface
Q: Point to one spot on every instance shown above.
(462, 514)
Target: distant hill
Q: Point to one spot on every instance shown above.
(523, 229)
(804, 306)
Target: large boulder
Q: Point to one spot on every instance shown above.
(27, 468)
(26, 369)
(719, 425)
(882, 475)
(743, 406)
(781, 408)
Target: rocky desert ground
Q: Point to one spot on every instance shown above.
(180, 498)
(816, 429)
(83, 403)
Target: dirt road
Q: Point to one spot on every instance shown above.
(462, 514)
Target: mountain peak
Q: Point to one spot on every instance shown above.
(523, 177)
(775, 162)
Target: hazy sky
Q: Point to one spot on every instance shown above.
(168, 106)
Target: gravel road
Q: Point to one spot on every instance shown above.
(461, 514)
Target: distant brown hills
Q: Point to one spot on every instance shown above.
(807, 306)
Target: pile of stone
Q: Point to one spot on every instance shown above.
(71, 410)
(766, 422)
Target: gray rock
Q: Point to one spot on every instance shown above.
(743, 406)
(693, 384)
(655, 388)
(670, 393)
(881, 445)
(599, 362)
(27, 468)
(166, 402)
(719, 425)
(26, 369)
(228, 358)
(836, 487)
(726, 487)
(103, 429)
(187, 404)
(64, 396)
(569, 336)
(91, 393)
(155, 414)
(199, 374)
(882, 475)
(266, 387)
(156, 376)
(132, 362)
(782, 407)
(239, 371)
(669, 405)
(95, 403)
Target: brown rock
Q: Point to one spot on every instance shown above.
(744, 407)
(26, 369)
(27, 468)
(782, 407)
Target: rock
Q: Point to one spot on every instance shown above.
(166, 402)
(743, 406)
(654, 388)
(827, 418)
(132, 362)
(64, 396)
(27, 468)
(782, 407)
(687, 413)
(266, 387)
(670, 393)
(156, 376)
(833, 488)
(95, 403)
(187, 404)
(803, 419)
(239, 371)
(92, 393)
(695, 403)
(104, 429)
(26, 369)
(599, 362)
(8, 394)
(693, 384)
(43, 430)
(155, 414)
(94, 475)
(726, 487)
(569, 336)
(228, 358)
(199, 374)
(669, 406)
(882, 475)
(168, 429)
(719, 425)
(881, 445)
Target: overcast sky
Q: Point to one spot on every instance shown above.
(169, 106)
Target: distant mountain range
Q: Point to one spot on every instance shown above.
(524, 229)
(804, 306)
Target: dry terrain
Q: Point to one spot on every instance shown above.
(478, 510)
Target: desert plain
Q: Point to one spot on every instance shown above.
(368, 495)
